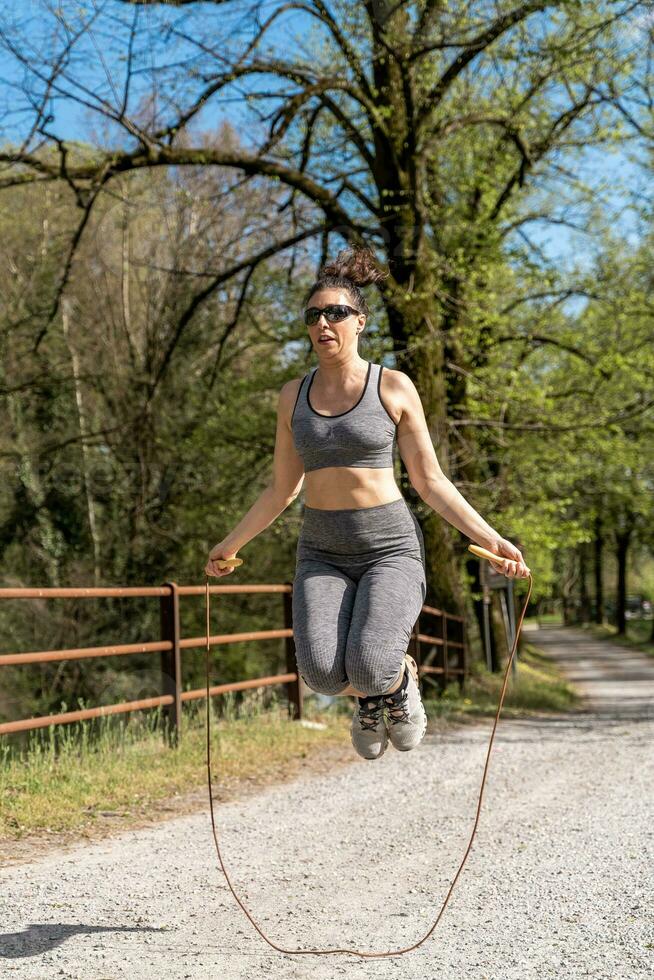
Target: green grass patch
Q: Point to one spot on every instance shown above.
(537, 687)
(70, 775)
(550, 619)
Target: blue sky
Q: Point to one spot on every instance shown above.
(101, 56)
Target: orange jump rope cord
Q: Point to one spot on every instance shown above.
(356, 952)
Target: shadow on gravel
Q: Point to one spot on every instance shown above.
(41, 937)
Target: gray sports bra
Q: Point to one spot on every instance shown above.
(362, 436)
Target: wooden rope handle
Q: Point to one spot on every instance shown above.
(482, 553)
(227, 562)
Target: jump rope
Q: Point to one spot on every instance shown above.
(233, 563)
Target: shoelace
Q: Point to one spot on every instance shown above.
(397, 702)
(369, 713)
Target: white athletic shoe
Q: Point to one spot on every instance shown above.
(406, 717)
(368, 728)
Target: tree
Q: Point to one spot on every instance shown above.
(427, 130)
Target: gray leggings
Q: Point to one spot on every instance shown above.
(358, 589)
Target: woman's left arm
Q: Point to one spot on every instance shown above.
(427, 478)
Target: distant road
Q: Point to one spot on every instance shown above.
(614, 681)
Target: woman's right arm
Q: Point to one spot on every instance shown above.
(283, 487)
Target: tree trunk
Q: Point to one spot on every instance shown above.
(568, 582)
(584, 598)
(420, 355)
(499, 645)
(622, 549)
(84, 430)
(473, 566)
(599, 591)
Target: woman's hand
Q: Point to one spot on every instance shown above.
(512, 563)
(219, 551)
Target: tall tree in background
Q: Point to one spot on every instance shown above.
(585, 474)
(89, 481)
(430, 131)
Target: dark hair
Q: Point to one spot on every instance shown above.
(353, 267)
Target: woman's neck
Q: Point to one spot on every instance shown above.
(335, 374)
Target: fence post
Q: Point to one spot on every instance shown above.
(446, 659)
(171, 666)
(293, 688)
(463, 664)
(415, 648)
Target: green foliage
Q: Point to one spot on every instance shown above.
(142, 428)
(537, 686)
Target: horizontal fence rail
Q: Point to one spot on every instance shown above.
(433, 653)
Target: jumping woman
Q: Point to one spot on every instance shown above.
(359, 580)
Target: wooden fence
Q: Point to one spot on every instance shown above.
(441, 657)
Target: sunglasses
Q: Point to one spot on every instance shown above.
(334, 313)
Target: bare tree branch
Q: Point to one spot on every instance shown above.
(246, 264)
(560, 296)
(474, 47)
(560, 124)
(639, 408)
(538, 340)
(231, 326)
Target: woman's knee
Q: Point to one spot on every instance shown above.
(372, 673)
(325, 685)
(322, 675)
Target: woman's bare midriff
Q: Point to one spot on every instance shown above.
(338, 487)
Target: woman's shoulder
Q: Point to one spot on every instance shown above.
(393, 379)
(288, 396)
(393, 372)
(397, 380)
(396, 390)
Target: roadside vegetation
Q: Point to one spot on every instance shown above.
(538, 687)
(72, 779)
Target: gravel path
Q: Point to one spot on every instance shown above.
(614, 681)
(558, 883)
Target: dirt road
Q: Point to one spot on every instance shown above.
(558, 883)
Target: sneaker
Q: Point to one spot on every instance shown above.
(368, 728)
(405, 713)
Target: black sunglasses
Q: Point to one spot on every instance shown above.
(334, 313)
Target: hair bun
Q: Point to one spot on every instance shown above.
(356, 263)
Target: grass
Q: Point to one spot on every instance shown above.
(70, 777)
(65, 780)
(537, 687)
(550, 619)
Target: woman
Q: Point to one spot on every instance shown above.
(360, 562)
